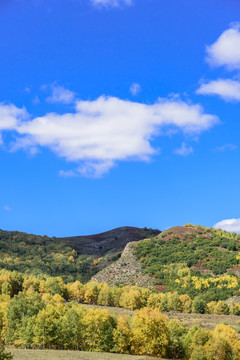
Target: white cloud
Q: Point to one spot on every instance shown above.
(111, 3)
(227, 89)
(61, 95)
(134, 89)
(231, 225)
(10, 116)
(184, 150)
(107, 130)
(226, 147)
(226, 50)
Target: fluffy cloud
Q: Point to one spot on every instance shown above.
(232, 225)
(226, 50)
(184, 150)
(227, 89)
(135, 88)
(61, 95)
(106, 130)
(113, 3)
(10, 116)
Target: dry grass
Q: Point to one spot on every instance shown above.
(207, 321)
(115, 311)
(19, 354)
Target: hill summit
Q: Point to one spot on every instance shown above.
(113, 240)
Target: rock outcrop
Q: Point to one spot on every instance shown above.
(127, 270)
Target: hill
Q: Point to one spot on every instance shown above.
(72, 258)
(110, 241)
(193, 260)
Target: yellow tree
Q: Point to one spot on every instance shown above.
(105, 296)
(31, 283)
(230, 335)
(149, 332)
(122, 335)
(211, 307)
(218, 348)
(91, 293)
(174, 302)
(98, 330)
(47, 328)
(130, 299)
(76, 291)
(221, 308)
(186, 303)
(157, 301)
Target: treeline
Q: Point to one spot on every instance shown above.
(12, 283)
(30, 320)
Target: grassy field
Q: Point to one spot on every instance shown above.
(70, 355)
(207, 321)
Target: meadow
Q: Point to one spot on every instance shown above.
(19, 354)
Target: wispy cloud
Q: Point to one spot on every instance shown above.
(36, 100)
(184, 150)
(227, 89)
(61, 95)
(226, 50)
(226, 147)
(104, 131)
(134, 89)
(7, 208)
(232, 225)
(111, 3)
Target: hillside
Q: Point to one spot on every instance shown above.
(189, 259)
(72, 258)
(114, 240)
(193, 260)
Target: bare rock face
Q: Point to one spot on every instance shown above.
(126, 270)
(110, 241)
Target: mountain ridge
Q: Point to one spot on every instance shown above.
(115, 239)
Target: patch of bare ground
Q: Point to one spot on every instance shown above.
(182, 232)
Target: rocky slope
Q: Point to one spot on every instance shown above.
(126, 270)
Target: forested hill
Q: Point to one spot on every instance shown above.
(73, 258)
(193, 260)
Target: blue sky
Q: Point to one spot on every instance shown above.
(119, 112)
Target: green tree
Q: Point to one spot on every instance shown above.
(199, 305)
(177, 333)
